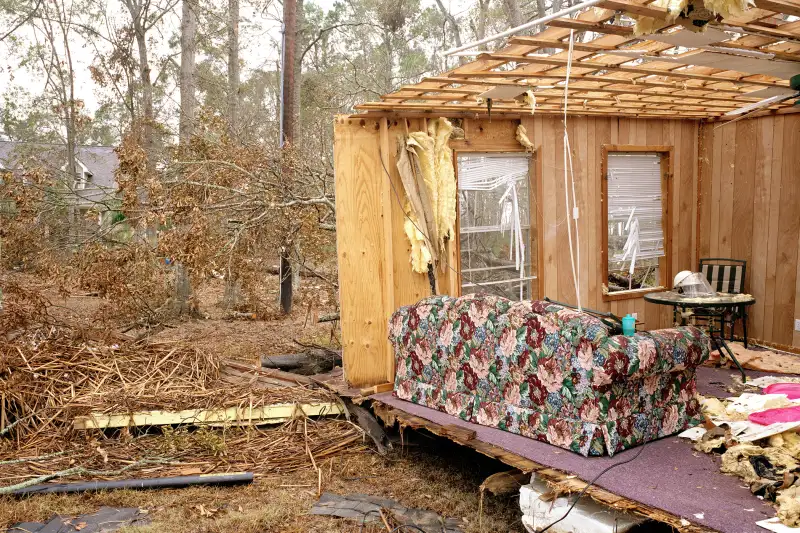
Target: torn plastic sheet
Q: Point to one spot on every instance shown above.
(752, 403)
(741, 430)
(774, 524)
(766, 381)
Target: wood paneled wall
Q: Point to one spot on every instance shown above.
(375, 277)
(750, 209)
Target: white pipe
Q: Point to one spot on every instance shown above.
(536, 22)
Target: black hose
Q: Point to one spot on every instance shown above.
(176, 482)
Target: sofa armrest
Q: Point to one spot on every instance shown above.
(655, 352)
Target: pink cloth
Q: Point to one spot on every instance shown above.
(780, 414)
(792, 390)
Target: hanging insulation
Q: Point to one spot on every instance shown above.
(728, 8)
(420, 253)
(425, 164)
(441, 130)
(647, 25)
(522, 138)
(417, 207)
(530, 99)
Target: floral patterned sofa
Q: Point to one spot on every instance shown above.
(547, 372)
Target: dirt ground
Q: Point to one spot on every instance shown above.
(428, 473)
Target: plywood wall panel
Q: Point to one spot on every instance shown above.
(754, 214)
(360, 240)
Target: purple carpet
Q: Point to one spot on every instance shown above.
(668, 474)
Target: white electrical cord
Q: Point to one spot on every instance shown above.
(568, 170)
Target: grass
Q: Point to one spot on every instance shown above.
(431, 473)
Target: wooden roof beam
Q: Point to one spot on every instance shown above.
(575, 90)
(575, 99)
(605, 110)
(597, 48)
(776, 6)
(594, 66)
(609, 80)
(598, 27)
(627, 31)
(780, 6)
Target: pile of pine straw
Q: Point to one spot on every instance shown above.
(49, 375)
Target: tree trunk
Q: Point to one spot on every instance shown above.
(188, 71)
(288, 70)
(483, 14)
(233, 64)
(513, 13)
(300, 39)
(147, 88)
(287, 132)
(286, 281)
(454, 27)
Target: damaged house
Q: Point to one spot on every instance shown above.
(516, 241)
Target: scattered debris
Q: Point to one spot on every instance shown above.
(105, 520)
(238, 373)
(312, 361)
(367, 509)
(370, 425)
(377, 389)
(766, 457)
(56, 381)
(505, 482)
(541, 507)
(765, 360)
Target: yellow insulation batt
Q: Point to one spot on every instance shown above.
(788, 501)
(522, 138)
(440, 131)
(728, 8)
(422, 145)
(435, 164)
(645, 25)
(420, 254)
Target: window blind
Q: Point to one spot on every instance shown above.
(634, 193)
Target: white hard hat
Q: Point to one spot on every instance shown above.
(681, 276)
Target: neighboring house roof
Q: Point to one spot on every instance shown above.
(99, 161)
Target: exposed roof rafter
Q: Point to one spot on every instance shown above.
(603, 82)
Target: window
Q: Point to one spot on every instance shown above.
(635, 220)
(495, 224)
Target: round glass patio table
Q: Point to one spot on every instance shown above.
(714, 307)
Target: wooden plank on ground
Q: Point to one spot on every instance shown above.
(235, 416)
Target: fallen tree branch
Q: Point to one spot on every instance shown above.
(79, 471)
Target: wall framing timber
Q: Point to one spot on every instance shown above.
(375, 277)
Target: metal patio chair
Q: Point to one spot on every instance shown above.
(727, 275)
